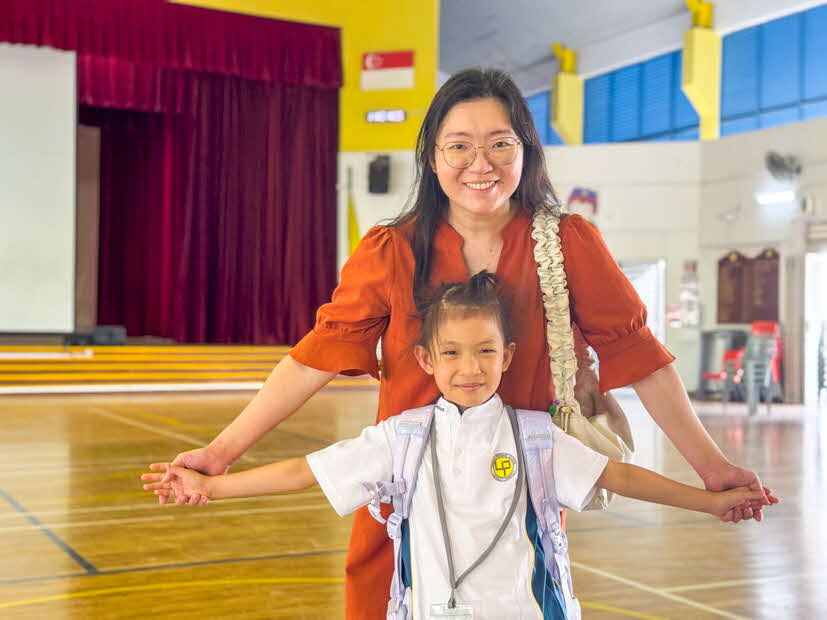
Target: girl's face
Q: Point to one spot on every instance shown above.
(467, 358)
(482, 188)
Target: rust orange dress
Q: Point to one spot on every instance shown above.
(374, 299)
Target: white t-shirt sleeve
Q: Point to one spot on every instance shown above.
(576, 469)
(341, 469)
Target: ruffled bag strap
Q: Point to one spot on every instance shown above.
(602, 432)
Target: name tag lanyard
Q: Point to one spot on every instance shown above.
(454, 581)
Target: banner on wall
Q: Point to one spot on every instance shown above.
(582, 201)
(387, 70)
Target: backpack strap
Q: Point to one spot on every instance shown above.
(537, 444)
(410, 439)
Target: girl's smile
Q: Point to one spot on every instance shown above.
(467, 358)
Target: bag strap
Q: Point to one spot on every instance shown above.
(410, 439)
(537, 445)
(548, 254)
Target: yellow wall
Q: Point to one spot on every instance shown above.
(367, 26)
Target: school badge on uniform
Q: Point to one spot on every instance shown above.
(503, 466)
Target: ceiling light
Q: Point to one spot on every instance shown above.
(775, 198)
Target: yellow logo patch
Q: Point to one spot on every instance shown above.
(503, 467)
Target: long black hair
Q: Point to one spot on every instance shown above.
(427, 203)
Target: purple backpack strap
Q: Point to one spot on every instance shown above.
(412, 430)
(537, 443)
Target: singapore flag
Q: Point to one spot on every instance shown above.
(388, 70)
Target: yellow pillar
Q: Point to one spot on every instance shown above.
(567, 97)
(701, 81)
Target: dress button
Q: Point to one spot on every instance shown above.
(459, 452)
(457, 471)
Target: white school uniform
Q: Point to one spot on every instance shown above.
(470, 447)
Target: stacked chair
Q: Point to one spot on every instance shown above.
(762, 365)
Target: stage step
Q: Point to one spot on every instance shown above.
(30, 369)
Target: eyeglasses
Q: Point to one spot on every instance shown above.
(499, 151)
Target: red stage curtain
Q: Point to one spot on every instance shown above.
(155, 33)
(218, 162)
(219, 226)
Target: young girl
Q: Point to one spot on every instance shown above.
(467, 480)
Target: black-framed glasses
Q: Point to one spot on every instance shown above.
(461, 154)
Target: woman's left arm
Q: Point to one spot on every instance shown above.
(665, 398)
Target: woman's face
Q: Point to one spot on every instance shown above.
(483, 188)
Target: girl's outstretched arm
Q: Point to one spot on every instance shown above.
(288, 387)
(182, 483)
(639, 483)
(665, 398)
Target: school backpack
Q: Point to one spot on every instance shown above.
(536, 447)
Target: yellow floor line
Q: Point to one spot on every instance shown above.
(173, 586)
(241, 582)
(620, 611)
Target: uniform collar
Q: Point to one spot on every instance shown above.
(492, 407)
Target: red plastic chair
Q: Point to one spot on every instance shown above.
(771, 330)
(731, 373)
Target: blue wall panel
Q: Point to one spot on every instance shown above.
(779, 116)
(626, 89)
(684, 112)
(739, 125)
(815, 53)
(780, 62)
(739, 73)
(815, 109)
(540, 107)
(692, 133)
(597, 113)
(656, 110)
(772, 74)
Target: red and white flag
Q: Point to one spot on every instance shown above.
(388, 70)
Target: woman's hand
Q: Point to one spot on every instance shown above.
(739, 499)
(731, 476)
(204, 460)
(178, 482)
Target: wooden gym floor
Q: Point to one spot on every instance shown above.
(79, 539)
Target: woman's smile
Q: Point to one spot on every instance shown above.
(482, 186)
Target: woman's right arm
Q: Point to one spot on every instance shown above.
(343, 340)
(288, 387)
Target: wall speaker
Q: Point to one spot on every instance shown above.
(379, 173)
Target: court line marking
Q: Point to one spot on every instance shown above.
(195, 513)
(620, 611)
(152, 429)
(154, 505)
(177, 565)
(658, 592)
(744, 582)
(40, 526)
(238, 582)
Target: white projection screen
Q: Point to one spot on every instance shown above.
(37, 189)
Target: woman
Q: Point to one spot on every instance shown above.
(481, 175)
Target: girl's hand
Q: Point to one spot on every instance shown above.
(731, 476)
(201, 460)
(183, 485)
(739, 499)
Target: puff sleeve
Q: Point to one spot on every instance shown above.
(607, 309)
(348, 328)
